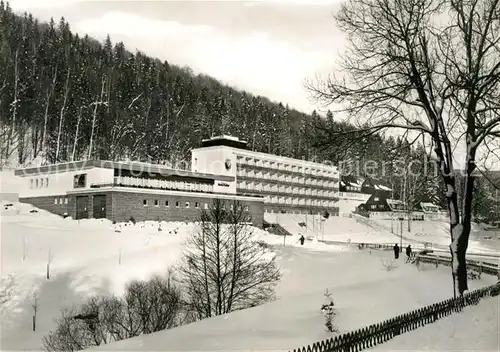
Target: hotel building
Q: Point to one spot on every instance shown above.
(287, 184)
(121, 190)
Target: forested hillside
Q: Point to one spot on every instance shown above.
(64, 98)
(68, 98)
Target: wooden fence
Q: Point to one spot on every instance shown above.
(379, 333)
(481, 266)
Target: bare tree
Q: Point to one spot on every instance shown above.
(75, 141)
(47, 105)
(94, 116)
(223, 269)
(147, 306)
(427, 67)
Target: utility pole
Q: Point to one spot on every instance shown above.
(401, 234)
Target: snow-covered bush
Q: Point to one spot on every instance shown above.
(328, 311)
(389, 264)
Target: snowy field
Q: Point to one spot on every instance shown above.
(91, 257)
(87, 257)
(95, 256)
(363, 291)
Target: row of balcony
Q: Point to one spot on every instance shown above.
(278, 188)
(300, 202)
(326, 174)
(287, 178)
(163, 184)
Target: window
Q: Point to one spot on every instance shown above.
(145, 202)
(206, 206)
(65, 200)
(376, 199)
(55, 199)
(187, 204)
(196, 205)
(157, 203)
(46, 182)
(80, 181)
(373, 206)
(166, 203)
(177, 204)
(60, 201)
(31, 184)
(36, 182)
(246, 208)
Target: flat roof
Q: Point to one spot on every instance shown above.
(224, 140)
(133, 166)
(274, 158)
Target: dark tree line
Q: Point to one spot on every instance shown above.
(68, 98)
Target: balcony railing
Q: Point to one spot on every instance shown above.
(327, 177)
(166, 185)
(334, 187)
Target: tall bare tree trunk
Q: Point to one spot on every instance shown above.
(61, 116)
(14, 107)
(75, 142)
(94, 117)
(47, 104)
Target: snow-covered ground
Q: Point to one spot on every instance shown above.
(363, 291)
(476, 328)
(87, 257)
(95, 256)
(90, 257)
(358, 229)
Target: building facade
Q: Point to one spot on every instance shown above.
(121, 190)
(287, 184)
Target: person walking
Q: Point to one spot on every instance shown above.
(396, 251)
(302, 239)
(408, 253)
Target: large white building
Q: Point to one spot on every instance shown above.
(287, 184)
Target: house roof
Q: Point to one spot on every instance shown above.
(379, 184)
(350, 180)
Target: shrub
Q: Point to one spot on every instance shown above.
(146, 307)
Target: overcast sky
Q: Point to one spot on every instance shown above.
(267, 48)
